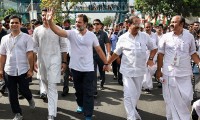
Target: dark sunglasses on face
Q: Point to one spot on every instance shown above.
(96, 23)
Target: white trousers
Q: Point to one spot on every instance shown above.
(132, 91)
(51, 90)
(178, 94)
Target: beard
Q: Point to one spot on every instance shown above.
(80, 28)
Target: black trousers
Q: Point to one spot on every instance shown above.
(99, 62)
(83, 83)
(12, 83)
(66, 76)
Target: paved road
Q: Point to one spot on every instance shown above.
(108, 104)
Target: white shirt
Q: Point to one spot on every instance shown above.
(177, 47)
(81, 58)
(154, 37)
(15, 49)
(133, 50)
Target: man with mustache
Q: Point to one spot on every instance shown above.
(176, 49)
(81, 62)
(132, 45)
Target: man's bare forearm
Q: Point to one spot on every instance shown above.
(160, 61)
(30, 59)
(57, 30)
(2, 62)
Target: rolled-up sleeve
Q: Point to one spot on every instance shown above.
(2, 47)
(151, 44)
(29, 44)
(192, 46)
(161, 45)
(118, 49)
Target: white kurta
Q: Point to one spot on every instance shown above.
(48, 47)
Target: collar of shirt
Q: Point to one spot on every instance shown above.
(131, 36)
(97, 32)
(11, 36)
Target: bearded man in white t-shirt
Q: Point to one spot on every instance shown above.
(81, 62)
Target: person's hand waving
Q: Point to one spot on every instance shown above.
(50, 13)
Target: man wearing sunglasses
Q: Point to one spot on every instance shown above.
(132, 45)
(103, 41)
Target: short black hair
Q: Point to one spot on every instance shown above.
(15, 16)
(131, 18)
(196, 22)
(160, 25)
(7, 17)
(85, 18)
(98, 20)
(66, 21)
(44, 9)
(182, 20)
(37, 22)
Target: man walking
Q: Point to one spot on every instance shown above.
(81, 61)
(17, 61)
(49, 48)
(176, 49)
(103, 41)
(132, 45)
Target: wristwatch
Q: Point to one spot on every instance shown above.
(64, 62)
(150, 58)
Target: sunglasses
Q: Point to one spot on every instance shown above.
(96, 23)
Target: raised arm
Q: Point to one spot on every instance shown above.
(54, 28)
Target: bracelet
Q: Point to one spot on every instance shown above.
(64, 62)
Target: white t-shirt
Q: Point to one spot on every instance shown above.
(81, 58)
(133, 50)
(179, 48)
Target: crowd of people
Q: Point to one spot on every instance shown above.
(137, 53)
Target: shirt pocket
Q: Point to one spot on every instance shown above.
(184, 47)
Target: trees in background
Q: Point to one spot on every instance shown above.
(108, 20)
(169, 8)
(57, 6)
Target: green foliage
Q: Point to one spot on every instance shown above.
(10, 11)
(57, 6)
(169, 7)
(108, 20)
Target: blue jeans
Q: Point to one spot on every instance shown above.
(12, 83)
(83, 83)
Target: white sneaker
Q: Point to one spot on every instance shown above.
(31, 103)
(18, 116)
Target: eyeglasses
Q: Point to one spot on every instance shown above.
(96, 23)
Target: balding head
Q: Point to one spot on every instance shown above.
(177, 24)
